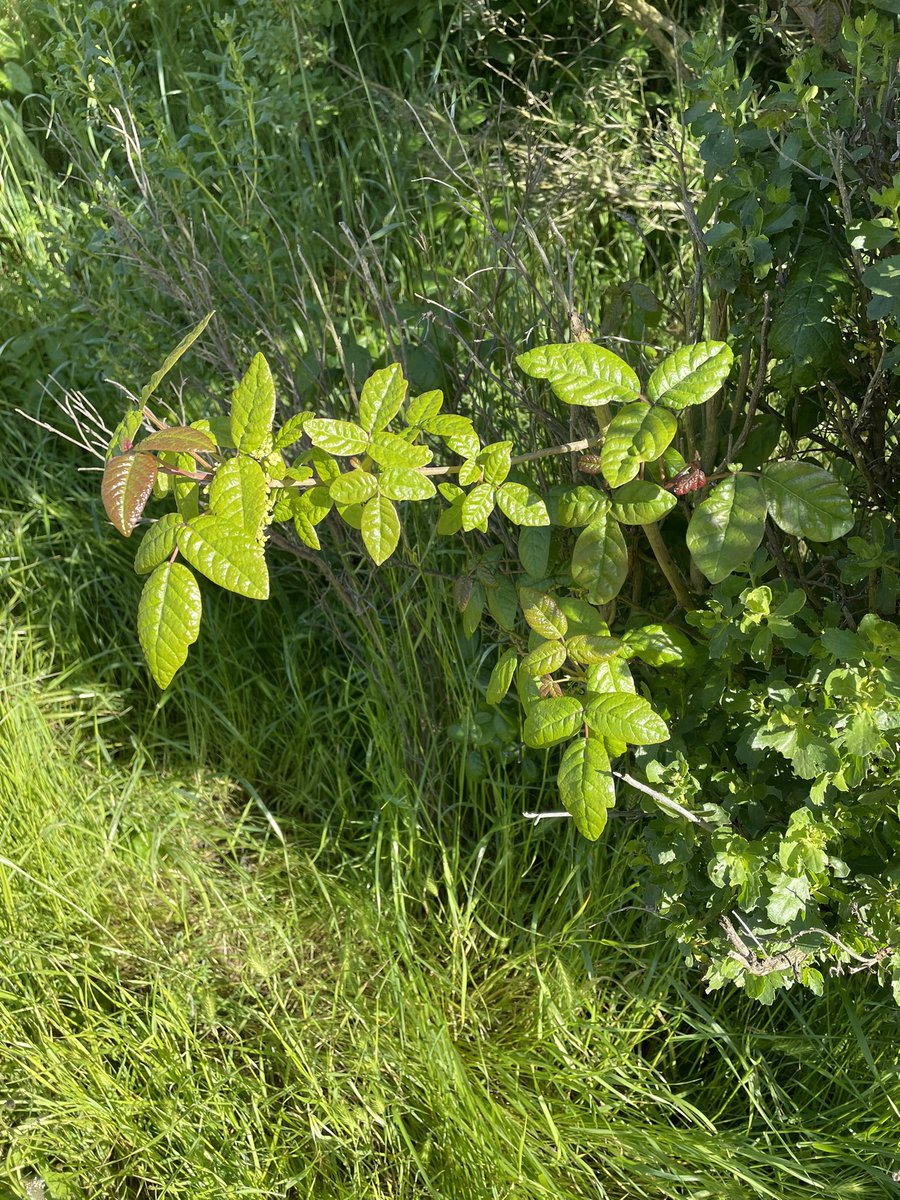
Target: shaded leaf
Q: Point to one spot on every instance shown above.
(807, 501)
(502, 677)
(183, 346)
(726, 528)
(542, 613)
(534, 550)
(600, 560)
(641, 502)
(124, 433)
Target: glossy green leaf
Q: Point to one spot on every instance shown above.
(502, 601)
(552, 721)
(405, 483)
(315, 504)
(391, 450)
(542, 613)
(450, 520)
(158, 543)
(692, 375)
(577, 506)
(353, 487)
(183, 346)
(127, 484)
(659, 646)
(588, 650)
(380, 528)
(544, 659)
(185, 489)
(253, 408)
(521, 505)
(292, 430)
(470, 472)
(337, 437)
(641, 502)
(586, 786)
(181, 439)
(494, 461)
(382, 397)
(306, 531)
(424, 408)
(220, 549)
(726, 528)
(609, 677)
(534, 550)
(168, 619)
(807, 501)
(627, 718)
(501, 677)
(326, 467)
(124, 433)
(239, 493)
(477, 506)
(637, 433)
(600, 560)
(582, 374)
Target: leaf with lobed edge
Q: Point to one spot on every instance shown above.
(220, 549)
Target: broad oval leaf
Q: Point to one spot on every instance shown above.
(637, 433)
(391, 450)
(337, 437)
(588, 649)
(424, 408)
(168, 619)
(223, 552)
(253, 408)
(807, 501)
(239, 493)
(726, 528)
(586, 786)
(544, 659)
(542, 613)
(181, 439)
(534, 550)
(582, 374)
(502, 677)
(692, 375)
(477, 506)
(600, 560)
(641, 502)
(292, 430)
(380, 528)
(611, 676)
(626, 718)
(382, 395)
(576, 506)
(659, 646)
(158, 543)
(127, 484)
(405, 483)
(502, 601)
(494, 460)
(552, 721)
(521, 505)
(353, 487)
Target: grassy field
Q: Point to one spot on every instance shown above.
(283, 931)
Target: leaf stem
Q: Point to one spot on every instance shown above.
(668, 566)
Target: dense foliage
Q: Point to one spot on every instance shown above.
(630, 277)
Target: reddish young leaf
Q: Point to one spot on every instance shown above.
(127, 483)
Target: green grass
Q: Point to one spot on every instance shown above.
(271, 934)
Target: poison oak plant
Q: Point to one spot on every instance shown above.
(771, 729)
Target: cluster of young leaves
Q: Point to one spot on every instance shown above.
(786, 749)
(230, 480)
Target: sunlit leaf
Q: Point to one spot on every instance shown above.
(158, 543)
(253, 408)
(726, 528)
(581, 373)
(220, 549)
(552, 721)
(381, 398)
(627, 718)
(692, 375)
(600, 560)
(127, 484)
(586, 785)
(168, 619)
(239, 493)
(638, 433)
(380, 528)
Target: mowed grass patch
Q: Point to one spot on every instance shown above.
(193, 1004)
